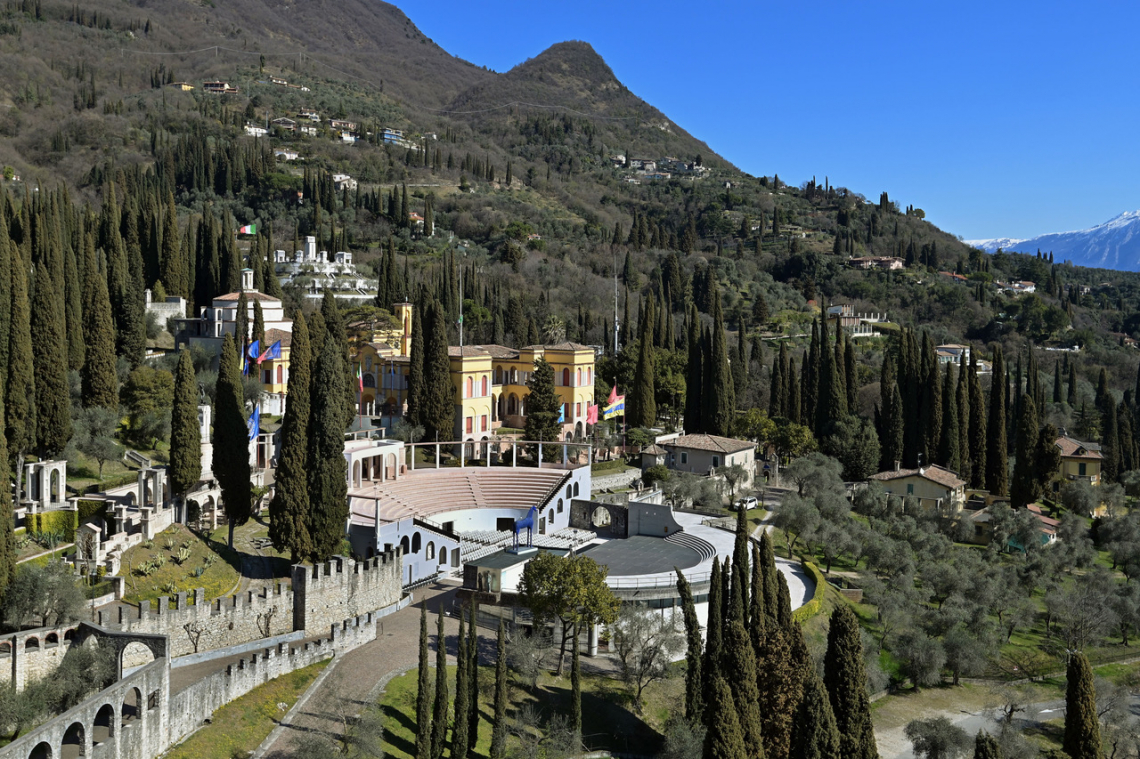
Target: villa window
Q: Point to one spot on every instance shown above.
(1082, 469)
(716, 461)
(484, 385)
(470, 424)
(910, 489)
(483, 423)
(684, 458)
(470, 387)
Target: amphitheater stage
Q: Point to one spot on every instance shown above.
(641, 555)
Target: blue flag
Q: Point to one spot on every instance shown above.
(273, 351)
(254, 423)
(254, 349)
(562, 414)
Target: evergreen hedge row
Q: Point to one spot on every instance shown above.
(815, 605)
(55, 521)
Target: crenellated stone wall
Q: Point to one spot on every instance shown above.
(342, 588)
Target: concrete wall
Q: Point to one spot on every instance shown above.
(341, 588)
(652, 519)
(424, 561)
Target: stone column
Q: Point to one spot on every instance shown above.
(593, 636)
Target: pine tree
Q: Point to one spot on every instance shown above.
(694, 696)
(1082, 731)
(185, 435)
(642, 397)
(724, 739)
(542, 406)
(817, 737)
(462, 694)
(440, 710)
(100, 384)
(739, 665)
(499, 727)
(986, 746)
(423, 693)
(996, 452)
(328, 487)
(231, 440)
(979, 437)
(846, 682)
(49, 360)
(289, 509)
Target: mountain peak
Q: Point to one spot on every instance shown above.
(573, 62)
(1114, 244)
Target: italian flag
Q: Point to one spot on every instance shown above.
(248, 229)
(359, 378)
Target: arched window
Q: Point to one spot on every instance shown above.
(442, 555)
(484, 393)
(576, 490)
(470, 387)
(589, 376)
(416, 543)
(559, 505)
(369, 380)
(404, 545)
(32, 644)
(569, 493)
(579, 382)
(430, 553)
(498, 375)
(565, 377)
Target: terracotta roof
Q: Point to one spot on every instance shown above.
(500, 351)
(1075, 449)
(564, 346)
(250, 295)
(654, 449)
(272, 335)
(467, 351)
(714, 443)
(936, 474)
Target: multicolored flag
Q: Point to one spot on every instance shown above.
(617, 408)
(254, 423)
(359, 378)
(273, 351)
(613, 397)
(248, 229)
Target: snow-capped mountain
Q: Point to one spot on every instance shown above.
(1114, 244)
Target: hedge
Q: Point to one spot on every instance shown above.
(815, 605)
(91, 508)
(55, 521)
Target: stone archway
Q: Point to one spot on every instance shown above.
(103, 729)
(601, 517)
(41, 751)
(74, 741)
(132, 707)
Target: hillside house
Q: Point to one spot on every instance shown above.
(278, 81)
(856, 324)
(983, 532)
(289, 125)
(703, 454)
(310, 115)
(1079, 461)
(389, 135)
(311, 131)
(934, 487)
(343, 182)
(285, 155)
(643, 164)
(183, 86)
(253, 130)
(886, 263)
(342, 124)
(219, 88)
(951, 353)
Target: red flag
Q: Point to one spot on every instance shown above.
(592, 415)
(613, 396)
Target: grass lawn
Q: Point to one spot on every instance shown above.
(218, 579)
(609, 721)
(616, 465)
(240, 727)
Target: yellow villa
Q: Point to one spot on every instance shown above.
(1079, 461)
(490, 380)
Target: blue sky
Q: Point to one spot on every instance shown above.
(997, 118)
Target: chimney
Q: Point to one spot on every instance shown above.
(898, 465)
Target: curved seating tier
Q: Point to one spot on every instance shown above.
(429, 492)
(700, 545)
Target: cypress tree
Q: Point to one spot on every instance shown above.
(100, 384)
(777, 394)
(328, 487)
(694, 375)
(1102, 391)
(694, 695)
(1072, 396)
(986, 746)
(289, 509)
(499, 727)
(1110, 440)
(423, 693)
(996, 452)
(1057, 395)
(462, 694)
(794, 393)
(826, 402)
(8, 550)
(724, 739)
(259, 325)
(768, 566)
(542, 406)
(891, 421)
(979, 437)
(721, 396)
(19, 408)
(710, 667)
(846, 682)
(851, 374)
(241, 328)
(810, 399)
(948, 454)
(740, 574)
(73, 310)
(963, 400)
(185, 436)
(756, 618)
(416, 370)
(1023, 489)
(6, 247)
(642, 397)
(437, 414)
(49, 361)
(1082, 731)
(440, 710)
(817, 737)
(174, 270)
(739, 665)
(231, 440)
(473, 679)
(576, 688)
(931, 402)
